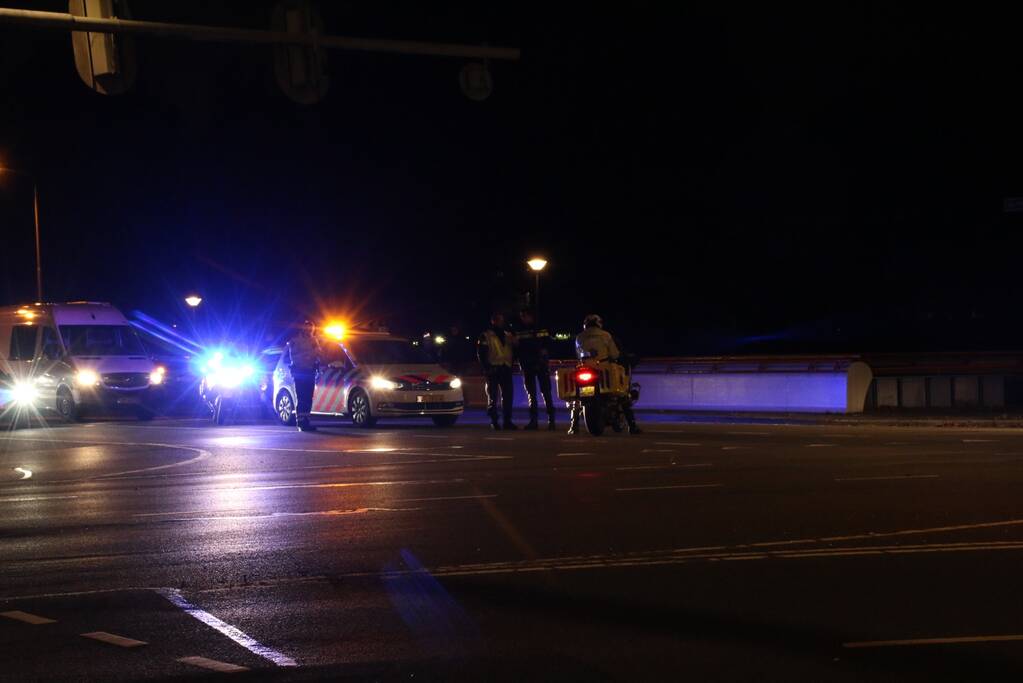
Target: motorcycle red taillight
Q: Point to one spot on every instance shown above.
(585, 376)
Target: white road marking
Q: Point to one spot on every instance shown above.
(213, 665)
(735, 448)
(339, 485)
(980, 440)
(27, 618)
(932, 641)
(658, 450)
(426, 500)
(820, 445)
(26, 499)
(665, 488)
(202, 453)
(25, 473)
(896, 476)
(211, 515)
(665, 467)
(569, 455)
(232, 632)
(675, 443)
(114, 639)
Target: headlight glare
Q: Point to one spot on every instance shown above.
(383, 384)
(87, 378)
(456, 383)
(24, 393)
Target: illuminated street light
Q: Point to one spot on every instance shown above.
(335, 330)
(193, 300)
(537, 264)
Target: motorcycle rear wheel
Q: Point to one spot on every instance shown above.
(593, 415)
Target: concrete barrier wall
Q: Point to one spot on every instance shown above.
(817, 392)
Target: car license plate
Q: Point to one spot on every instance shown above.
(587, 391)
(429, 398)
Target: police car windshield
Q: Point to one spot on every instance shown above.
(387, 351)
(101, 340)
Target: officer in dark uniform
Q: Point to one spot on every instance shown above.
(304, 353)
(534, 360)
(494, 350)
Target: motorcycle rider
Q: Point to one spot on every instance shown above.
(533, 356)
(596, 343)
(304, 353)
(494, 350)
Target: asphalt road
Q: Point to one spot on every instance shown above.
(407, 552)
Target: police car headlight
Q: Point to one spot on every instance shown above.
(456, 383)
(157, 375)
(381, 383)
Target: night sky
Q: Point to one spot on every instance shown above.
(709, 180)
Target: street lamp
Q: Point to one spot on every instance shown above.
(537, 264)
(35, 210)
(193, 300)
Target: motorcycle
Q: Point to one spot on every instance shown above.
(601, 391)
(229, 383)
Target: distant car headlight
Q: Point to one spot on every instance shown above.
(24, 393)
(381, 383)
(86, 378)
(456, 383)
(157, 376)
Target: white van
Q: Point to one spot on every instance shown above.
(80, 356)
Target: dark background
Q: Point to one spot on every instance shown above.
(748, 178)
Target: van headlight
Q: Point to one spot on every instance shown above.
(382, 384)
(456, 383)
(86, 378)
(24, 393)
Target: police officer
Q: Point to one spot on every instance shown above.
(304, 353)
(595, 342)
(531, 347)
(494, 350)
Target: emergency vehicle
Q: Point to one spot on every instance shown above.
(369, 375)
(77, 356)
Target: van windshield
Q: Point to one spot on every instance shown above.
(101, 340)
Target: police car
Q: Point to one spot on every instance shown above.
(369, 375)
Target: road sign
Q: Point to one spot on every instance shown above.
(476, 81)
(301, 70)
(105, 61)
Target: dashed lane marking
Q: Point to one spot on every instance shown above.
(213, 665)
(27, 618)
(25, 473)
(27, 499)
(897, 476)
(665, 488)
(226, 629)
(956, 640)
(114, 639)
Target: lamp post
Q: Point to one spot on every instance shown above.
(35, 213)
(537, 264)
(193, 300)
